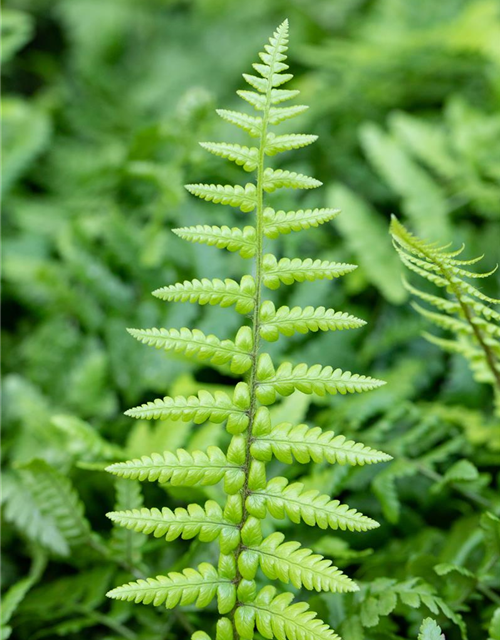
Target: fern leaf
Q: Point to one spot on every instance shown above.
(191, 586)
(196, 344)
(280, 114)
(445, 322)
(292, 563)
(233, 239)
(281, 499)
(288, 271)
(257, 100)
(281, 95)
(277, 222)
(206, 523)
(57, 496)
(277, 144)
(287, 442)
(430, 630)
(246, 157)
(250, 124)
(276, 617)
(235, 196)
(279, 178)
(223, 292)
(316, 379)
(289, 321)
(128, 544)
(180, 469)
(205, 406)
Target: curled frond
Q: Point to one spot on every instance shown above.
(302, 443)
(276, 222)
(223, 292)
(235, 196)
(282, 499)
(230, 238)
(180, 469)
(301, 320)
(290, 270)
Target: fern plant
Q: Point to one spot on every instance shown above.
(466, 313)
(251, 496)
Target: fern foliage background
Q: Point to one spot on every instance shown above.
(103, 107)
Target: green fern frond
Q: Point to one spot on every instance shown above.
(316, 379)
(207, 523)
(234, 196)
(292, 563)
(223, 292)
(277, 144)
(191, 586)
(180, 469)
(281, 499)
(194, 343)
(297, 320)
(287, 442)
(248, 496)
(233, 239)
(475, 326)
(279, 179)
(276, 617)
(290, 270)
(246, 157)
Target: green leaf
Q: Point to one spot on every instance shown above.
(288, 271)
(282, 499)
(191, 586)
(250, 124)
(287, 442)
(430, 630)
(17, 29)
(280, 178)
(194, 343)
(281, 222)
(297, 320)
(316, 379)
(277, 144)
(127, 544)
(182, 468)
(223, 292)
(232, 239)
(235, 196)
(246, 157)
(292, 563)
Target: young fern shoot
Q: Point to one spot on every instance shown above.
(466, 314)
(251, 496)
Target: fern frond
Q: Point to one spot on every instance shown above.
(279, 178)
(292, 563)
(194, 343)
(216, 407)
(191, 586)
(222, 292)
(302, 443)
(207, 523)
(230, 238)
(290, 270)
(281, 499)
(251, 124)
(246, 157)
(276, 222)
(297, 320)
(235, 196)
(180, 469)
(276, 617)
(286, 142)
(316, 379)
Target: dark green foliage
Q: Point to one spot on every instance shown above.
(103, 105)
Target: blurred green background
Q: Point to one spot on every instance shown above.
(104, 102)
